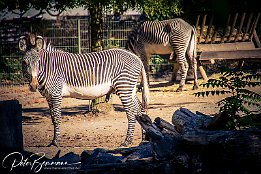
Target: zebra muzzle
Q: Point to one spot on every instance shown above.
(34, 84)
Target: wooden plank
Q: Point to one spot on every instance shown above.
(254, 26)
(226, 46)
(234, 55)
(232, 29)
(256, 40)
(240, 26)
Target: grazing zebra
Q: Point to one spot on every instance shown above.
(58, 74)
(173, 36)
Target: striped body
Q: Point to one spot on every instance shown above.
(174, 36)
(88, 76)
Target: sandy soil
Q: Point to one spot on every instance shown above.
(85, 131)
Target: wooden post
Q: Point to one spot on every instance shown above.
(240, 26)
(202, 71)
(202, 28)
(232, 28)
(11, 126)
(208, 36)
(254, 26)
(247, 27)
(225, 29)
(197, 22)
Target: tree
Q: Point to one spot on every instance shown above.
(52, 7)
(161, 9)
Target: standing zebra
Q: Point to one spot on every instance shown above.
(42, 43)
(173, 36)
(58, 74)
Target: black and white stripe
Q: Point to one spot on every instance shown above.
(89, 76)
(164, 37)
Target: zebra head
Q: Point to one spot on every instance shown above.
(31, 45)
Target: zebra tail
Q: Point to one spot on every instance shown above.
(195, 43)
(192, 50)
(145, 90)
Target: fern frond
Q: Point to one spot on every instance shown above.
(256, 77)
(214, 92)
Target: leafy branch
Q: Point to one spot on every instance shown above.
(237, 86)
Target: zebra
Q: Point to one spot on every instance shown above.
(173, 36)
(45, 44)
(58, 74)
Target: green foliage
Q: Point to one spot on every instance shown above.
(239, 98)
(156, 61)
(10, 68)
(160, 9)
(52, 7)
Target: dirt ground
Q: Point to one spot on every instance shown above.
(85, 131)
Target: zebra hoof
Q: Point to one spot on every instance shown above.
(144, 142)
(53, 143)
(139, 89)
(124, 144)
(195, 87)
(179, 89)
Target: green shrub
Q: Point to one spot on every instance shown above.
(236, 105)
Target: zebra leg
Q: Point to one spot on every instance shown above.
(194, 68)
(130, 105)
(131, 126)
(193, 62)
(145, 60)
(140, 111)
(184, 69)
(175, 71)
(55, 109)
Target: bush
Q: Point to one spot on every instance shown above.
(239, 99)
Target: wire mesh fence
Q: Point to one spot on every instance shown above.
(115, 33)
(10, 66)
(71, 35)
(67, 33)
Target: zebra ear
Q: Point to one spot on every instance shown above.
(39, 42)
(22, 43)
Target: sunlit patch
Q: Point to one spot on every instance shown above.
(89, 92)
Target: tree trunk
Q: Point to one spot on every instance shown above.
(10, 126)
(96, 11)
(184, 146)
(96, 26)
(193, 148)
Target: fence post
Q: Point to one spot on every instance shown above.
(11, 126)
(79, 36)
